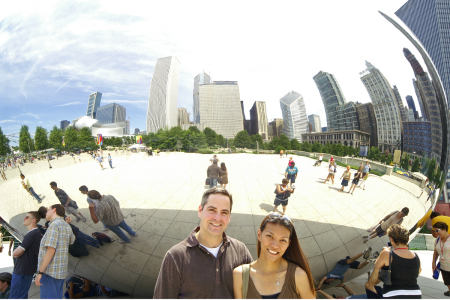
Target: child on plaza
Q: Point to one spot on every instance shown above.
(291, 174)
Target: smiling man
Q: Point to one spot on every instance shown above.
(202, 265)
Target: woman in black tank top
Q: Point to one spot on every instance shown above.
(405, 268)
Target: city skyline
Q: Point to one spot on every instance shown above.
(69, 79)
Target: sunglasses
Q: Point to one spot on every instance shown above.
(437, 230)
(276, 215)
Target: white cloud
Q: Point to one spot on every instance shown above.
(125, 101)
(70, 103)
(31, 115)
(8, 121)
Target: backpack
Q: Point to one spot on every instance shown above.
(101, 237)
(78, 250)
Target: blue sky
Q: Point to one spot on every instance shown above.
(53, 54)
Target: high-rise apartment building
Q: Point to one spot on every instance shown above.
(410, 102)
(220, 107)
(368, 122)
(411, 117)
(258, 118)
(346, 117)
(400, 105)
(64, 124)
(200, 79)
(93, 104)
(182, 117)
(277, 127)
(331, 95)
(429, 21)
(387, 112)
(314, 120)
(162, 101)
(111, 113)
(295, 118)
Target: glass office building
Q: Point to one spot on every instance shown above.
(417, 138)
(295, 119)
(111, 113)
(93, 104)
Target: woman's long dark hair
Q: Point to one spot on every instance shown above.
(223, 167)
(294, 252)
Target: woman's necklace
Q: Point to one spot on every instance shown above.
(278, 277)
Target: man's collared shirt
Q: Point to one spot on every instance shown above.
(190, 271)
(5, 295)
(108, 211)
(58, 235)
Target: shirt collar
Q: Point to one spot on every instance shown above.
(32, 229)
(192, 239)
(55, 219)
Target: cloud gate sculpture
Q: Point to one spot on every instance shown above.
(330, 225)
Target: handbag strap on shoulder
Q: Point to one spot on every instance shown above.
(245, 279)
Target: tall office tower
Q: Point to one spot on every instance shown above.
(126, 129)
(182, 117)
(64, 124)
(247, 123)
(200, 79)
(346, 117)
(295, 118)
(429, 20)
(243, 112)
(419, 99)
(162, 101)
(331, 95)
(220, 107)
(368, 122)
(387, 112)
(111, 113)
(398, 98)
(258, 118)
(315, 123)
(410, 115)
(136, 131)
(93, 104)
(324, 129)
(410, 101)
(277, 127)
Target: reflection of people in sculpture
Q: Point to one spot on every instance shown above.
(343, 265)
(424, 187)
(350, 292)
(395, 217)
(421, 222)
(81, 288)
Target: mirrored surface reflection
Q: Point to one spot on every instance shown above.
(339, 213)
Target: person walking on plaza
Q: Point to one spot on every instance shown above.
(54, 254)
(5, 285)
(331, 171)
(79, 156)
(320, 159)
(442, 250)
(366, 169)
(110, 160)
(283, 192)
(404, 265)
(395, 217)
(355, 182)
(108, 211)
(281, 153)
(424, 188)
(223, 178)
(364, 180)
(213, 172)
(281, 270)
(69, 205)
(201, 266)
(347, 175)
(84, 190)
(26, 256)
(214, 158)
(291, 173)
(291, 160)
(100, 160)
(3, 174)
(26, 185)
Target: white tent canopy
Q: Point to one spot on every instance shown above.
(136, 146)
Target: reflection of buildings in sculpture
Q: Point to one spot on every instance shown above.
(295, 118)
(314, 120)
(353, 138)
(401, 107)
(417, 139)
(111, 113)
(419, 99)
(247, 123)
(220, 107)
(277, 127)
(200, 126)
(368, 122)
(331, 95)
(428, 20)
(64, 124)
(411, 115)
(410, 101)
(182, 116)
(111, 129)
(387, 112)
(431, 112)
(324, 129)
(93, 104)
(346, 117)
(258, 117)
(162, 101)
(200, 79)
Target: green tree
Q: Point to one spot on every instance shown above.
(374, 153)
(404, 162)
(295, 145)
(274, 143)
(431, 170)
(25, 142)
(316, 147)
(327, 148)
(4, 144)
(389, 159)
(210, 136)
(242, 139)
(256, 138)
(230, 142)
(305, 146)
(85, 139)
(194, 128)
(71, 138)
(40, 138)
(55, 138)
(220, 140)
(416, 165)
(284, 142)
(118, 142)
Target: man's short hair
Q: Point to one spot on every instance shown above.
(434, 214)
(93, 194)
(83, 188)
(441, 225)
(6, 276)
(211, 191)
(215, 161)
(53, 184)
(22, 175)
(405, 210)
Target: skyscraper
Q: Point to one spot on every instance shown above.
(314, 120)
(295, 119)
(429, 21)
(400, 105)
(368, 122)
(64, 124)
(136, 131)
(200, 79)
(277, 127)
(111, 113)
(331, 95)
(258, 118)
(162, 101)
(220, 107)
(410, 101)
(93, 104)
(387, 112)
(182, 117)
(346, 117)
